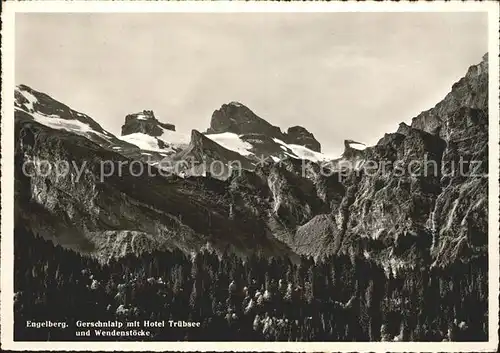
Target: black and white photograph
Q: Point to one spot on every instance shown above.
(208, 179)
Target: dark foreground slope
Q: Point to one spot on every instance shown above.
(339, 299)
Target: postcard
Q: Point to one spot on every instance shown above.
(250, 176)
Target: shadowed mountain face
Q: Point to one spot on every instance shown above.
(403, 202)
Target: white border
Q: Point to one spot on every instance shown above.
(10, 8)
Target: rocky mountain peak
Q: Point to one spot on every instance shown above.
(145, 122)
(239, 119)
(45, 107)
(299, 135)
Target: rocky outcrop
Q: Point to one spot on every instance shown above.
(146, 123)
(298, 135)
(393, 199)
(459, 220)
(407, 202)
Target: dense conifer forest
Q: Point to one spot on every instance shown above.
(341, 298)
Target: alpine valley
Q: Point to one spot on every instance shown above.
(283, 206)
(274, 195)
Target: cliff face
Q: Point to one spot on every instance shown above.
(458, 220)
(418, 197)
(429, 202)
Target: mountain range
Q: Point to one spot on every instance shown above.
(270, 192)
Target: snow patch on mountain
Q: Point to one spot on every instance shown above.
(232, 142)
(142, 117)
(357, 146)
(172, 140)
(175, 138)
(305, 153)
(55, 122)
(144, 142)
(301, 152)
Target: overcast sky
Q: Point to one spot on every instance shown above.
(340, 75)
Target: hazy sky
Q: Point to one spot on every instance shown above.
(340, 75)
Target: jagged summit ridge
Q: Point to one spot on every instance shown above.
(299, 135)
(156, 139)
